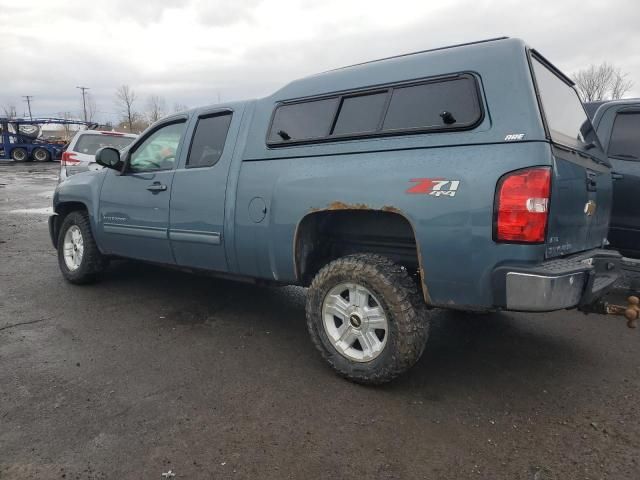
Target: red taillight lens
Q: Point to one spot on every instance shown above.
(522, 205)
(69, 158)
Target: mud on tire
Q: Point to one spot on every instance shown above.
(92, 262)
(398, 296)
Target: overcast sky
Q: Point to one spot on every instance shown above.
(195, 51)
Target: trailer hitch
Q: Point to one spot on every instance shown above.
(631, 311)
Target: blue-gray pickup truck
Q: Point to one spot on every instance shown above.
(466, 177)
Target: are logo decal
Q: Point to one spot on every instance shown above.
(514, 136)
(437, 187)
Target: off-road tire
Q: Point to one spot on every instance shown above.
(400, 298)
(93, 262)
(46, 156)
(19, 155)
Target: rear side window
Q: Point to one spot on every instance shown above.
(427, 106)
(566, 119)
(303, 121)
(89, 144)
(625, 138)
(360, 114)
(444, 104)
(208, 141)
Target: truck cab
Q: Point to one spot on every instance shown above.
(468, 178)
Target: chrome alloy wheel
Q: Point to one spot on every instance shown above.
(73, 248)
(355, 322)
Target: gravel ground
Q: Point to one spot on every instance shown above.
(153, 371)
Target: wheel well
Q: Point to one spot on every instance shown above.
(324, 236)
(62, 210)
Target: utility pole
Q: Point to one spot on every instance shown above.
(84, 101)
(28, 100)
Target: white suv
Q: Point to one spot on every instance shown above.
(79, 156)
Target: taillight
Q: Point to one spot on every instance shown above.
(522, 205)
(69, 158)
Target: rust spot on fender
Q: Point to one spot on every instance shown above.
(347, 206)
(338, 205)
(389, 208)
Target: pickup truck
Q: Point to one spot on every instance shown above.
(617, 124)
(466, 177)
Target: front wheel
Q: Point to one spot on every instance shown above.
(79, 259)
(367, 318)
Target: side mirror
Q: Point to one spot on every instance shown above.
(109, 157)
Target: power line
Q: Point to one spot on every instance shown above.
(28, 100)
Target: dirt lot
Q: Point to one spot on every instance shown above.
(154, 370)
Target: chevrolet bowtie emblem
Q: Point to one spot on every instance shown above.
(590, 208)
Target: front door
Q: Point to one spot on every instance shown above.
(134, 205)
(199, 191)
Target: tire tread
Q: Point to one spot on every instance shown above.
(401, 295)
(93, 262)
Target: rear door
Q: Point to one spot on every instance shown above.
(624, 153)
(581, 189)
(199, 191)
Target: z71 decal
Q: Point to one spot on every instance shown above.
(438, 187)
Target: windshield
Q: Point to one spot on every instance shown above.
(90, 143)
(567, 121)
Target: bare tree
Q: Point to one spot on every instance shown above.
(601, 82)
(68, 129)
(10, 110)
(92, 108)
(156, 108)
(179, 107)
(620, 85)
(125, 98)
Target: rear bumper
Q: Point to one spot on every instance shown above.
(569, 282)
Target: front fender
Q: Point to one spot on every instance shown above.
(79, 191)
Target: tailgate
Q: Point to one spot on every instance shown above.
(580, 205)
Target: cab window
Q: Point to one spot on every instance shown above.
(625, 139)
(158, 150)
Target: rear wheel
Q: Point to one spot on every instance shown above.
(367, 318)
(19, 155)
(79, 259)
(41, 155)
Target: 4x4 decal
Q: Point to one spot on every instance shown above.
(437, 187)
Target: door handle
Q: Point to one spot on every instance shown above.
(157, 187)
(617, 176)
